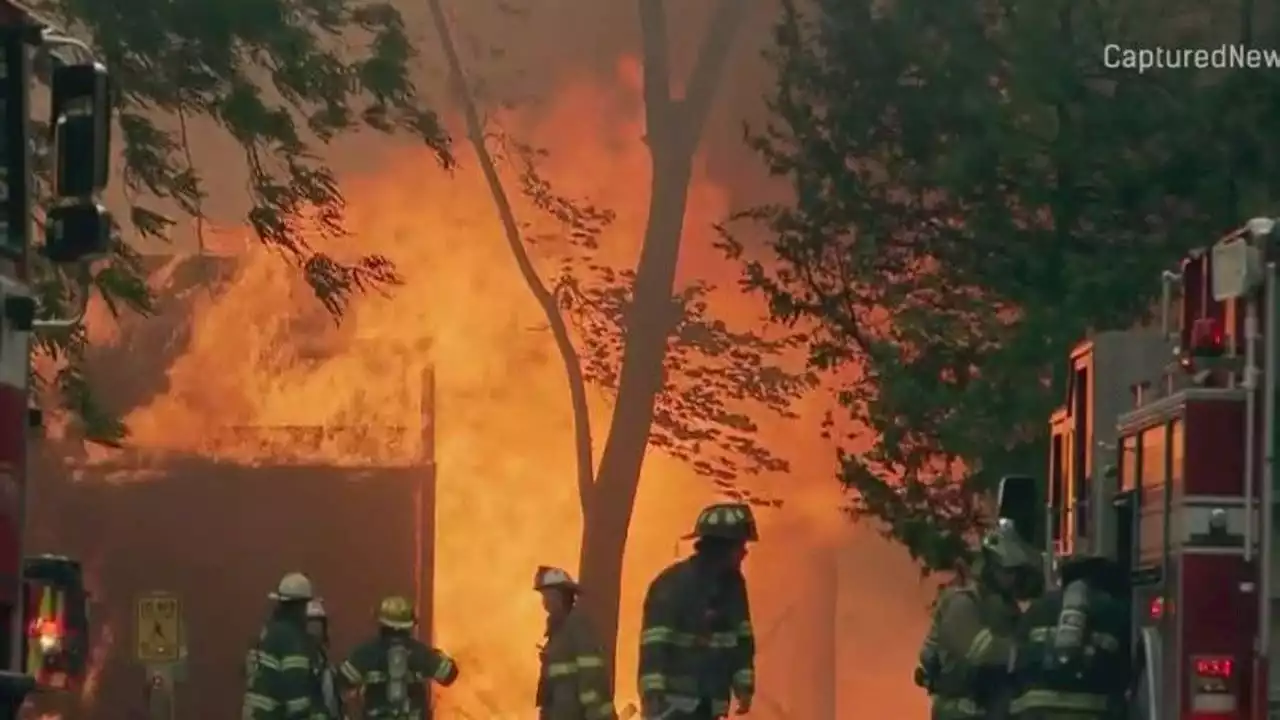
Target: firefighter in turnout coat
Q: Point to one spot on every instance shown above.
(574, 682)
(971, 641)
(697, 646)
(391, 674)
(280, 667)
(1073, 646)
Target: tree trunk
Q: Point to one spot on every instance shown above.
(607, 518)
(673, 129)
(826, 619)
(515, 241)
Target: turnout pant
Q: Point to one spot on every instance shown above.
(702, 712)
(1061, 715)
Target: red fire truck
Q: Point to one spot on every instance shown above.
(1162, 457)
(44, 628)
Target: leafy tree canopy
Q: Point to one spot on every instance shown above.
(975, 191)
(282, 78)
(716, 376)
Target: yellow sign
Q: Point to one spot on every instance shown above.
(159, 628)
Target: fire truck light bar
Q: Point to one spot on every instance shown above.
(1156, 609)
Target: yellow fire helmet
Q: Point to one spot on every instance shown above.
(547, 577)
(396, 612)
(730, 521)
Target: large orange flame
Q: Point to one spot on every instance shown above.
(262, 353)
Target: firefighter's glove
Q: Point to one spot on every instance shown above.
(744, 705)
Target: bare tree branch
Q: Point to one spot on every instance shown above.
(704, 80)
(511, 230)
(657, 70)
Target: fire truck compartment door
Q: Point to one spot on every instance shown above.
(1147, 693)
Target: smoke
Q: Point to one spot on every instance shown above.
(528, 59)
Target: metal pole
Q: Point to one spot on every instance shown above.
(426, 509)
(17, 166)
(418, 498)
(1251, 388)
(1167, 280)
(1270, 365)
(826, 652)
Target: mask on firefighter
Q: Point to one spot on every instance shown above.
(318, 629)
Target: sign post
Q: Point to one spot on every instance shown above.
(161, 649)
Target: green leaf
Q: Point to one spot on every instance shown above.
(975, 193)
(282, 78)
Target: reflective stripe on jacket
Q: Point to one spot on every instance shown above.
(575, 680)
(974, 636)
(281, 683)
(368, 671)
(696, 638)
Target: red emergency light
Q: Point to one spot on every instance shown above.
(48, 636)
(1208, 339)
(1156, 609)
(1215, 667)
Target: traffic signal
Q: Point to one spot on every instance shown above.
(56, 620)
(77, 228)
(15, 159)
(81, 121)
(77, 231)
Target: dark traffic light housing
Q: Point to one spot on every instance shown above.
(77, 228)
(76, 231)
(56, 622)
(81, 121)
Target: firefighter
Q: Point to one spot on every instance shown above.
(697, 646)
(966, 659)
(1073, 658)
(280, 668)
(326, 676)
(574, 682)
(391, 673)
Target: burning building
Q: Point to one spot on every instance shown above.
(253, 414)
(219, 532)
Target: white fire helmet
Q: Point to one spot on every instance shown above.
(315, 610)
(552, 577)
(293, 586)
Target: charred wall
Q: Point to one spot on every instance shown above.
(220, 535)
